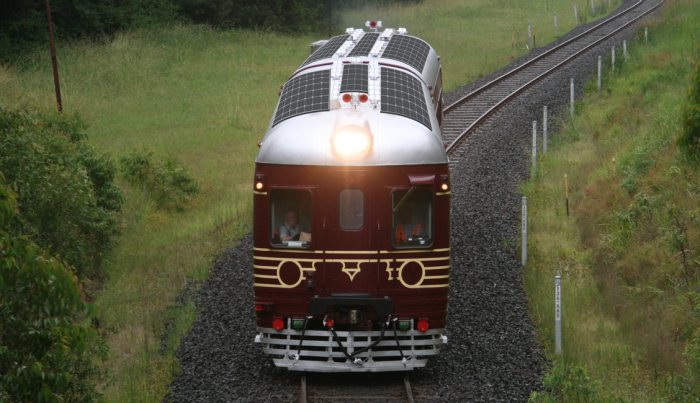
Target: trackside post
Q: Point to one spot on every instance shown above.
(523, 246)
(557, 314)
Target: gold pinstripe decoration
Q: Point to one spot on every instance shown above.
(268, 275)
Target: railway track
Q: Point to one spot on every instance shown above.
(463, 118)
(466, 115)
(493, 353)
(372, 387)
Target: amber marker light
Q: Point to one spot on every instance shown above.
(445, 183)
(259, 182)
(351, 142)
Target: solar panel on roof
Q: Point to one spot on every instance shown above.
(402, 94)
(304, 94)
(365, 45)
(326, 50)
(355, 78)
(407, 49)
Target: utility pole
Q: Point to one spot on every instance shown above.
(54, 63)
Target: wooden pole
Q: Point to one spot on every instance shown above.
(54, 62)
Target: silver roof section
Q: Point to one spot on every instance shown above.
(396, 140)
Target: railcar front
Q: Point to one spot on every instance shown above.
(351, 211)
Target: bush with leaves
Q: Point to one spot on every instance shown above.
(44, 355)
(167, 182)
(568, 383)
(689, 141)
(66, 195)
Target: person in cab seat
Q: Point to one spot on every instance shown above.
(289, 230)
(406, 229)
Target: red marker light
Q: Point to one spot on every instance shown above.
(347, 98)
(278, 324)
(364, 98)
(259, 308)
(373, 24)
(423, 325)
(330, 323)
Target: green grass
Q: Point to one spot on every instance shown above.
(206, 97)
(629, 312)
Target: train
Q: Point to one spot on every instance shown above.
(351, 201)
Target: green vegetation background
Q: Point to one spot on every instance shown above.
(183, 106)
(629, 252)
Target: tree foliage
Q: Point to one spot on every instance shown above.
(689, 141)
(44, 355)
(66, 196)
(23, 23)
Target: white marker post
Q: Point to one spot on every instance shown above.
(534, 149)
(600, 72)
(556, 25)
(544, 130)
(557, 314)
(592, 8)
(612, 56)
(576, 13)
(625, 55)
(523, 225)
(571, 108)
(646, 34)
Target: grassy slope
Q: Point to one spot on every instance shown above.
(629, 308)
(205, 97)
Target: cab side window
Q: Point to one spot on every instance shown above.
(412, 218)
(290, 215)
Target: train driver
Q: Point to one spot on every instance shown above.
(289, 230)
(406, 229)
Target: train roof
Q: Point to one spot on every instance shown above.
(372, 85)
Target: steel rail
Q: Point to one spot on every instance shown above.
(538, 77)
(541, 56)
(407, 388)
(343, 397)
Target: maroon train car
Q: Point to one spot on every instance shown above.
(352, 210)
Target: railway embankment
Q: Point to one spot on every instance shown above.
(627, 246)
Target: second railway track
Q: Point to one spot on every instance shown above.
(466, 114)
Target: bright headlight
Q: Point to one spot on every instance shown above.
(351, 142)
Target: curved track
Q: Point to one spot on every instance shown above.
(493, 352)
(464, 116)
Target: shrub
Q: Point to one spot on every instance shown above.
(66, 196)
(168, 182)
(689, 141)
(567, 383)
(44, 354)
